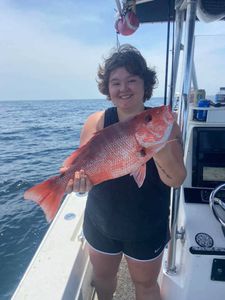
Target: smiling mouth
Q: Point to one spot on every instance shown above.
(126, 97)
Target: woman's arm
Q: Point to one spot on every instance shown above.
(94, 123)
(169, 160)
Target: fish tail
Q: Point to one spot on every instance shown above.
(48, 195)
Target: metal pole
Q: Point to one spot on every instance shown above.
(167, 53)
(188, 62)
(179, 31)
(171, 262)
(183, 114)
(194, 77)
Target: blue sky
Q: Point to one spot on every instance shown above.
(50, 49)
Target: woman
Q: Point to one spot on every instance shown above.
(120, 218)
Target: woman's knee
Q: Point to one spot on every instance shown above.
(147, 283)
(147, 290)
(144, 274)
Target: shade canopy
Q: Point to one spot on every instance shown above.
(161, 10)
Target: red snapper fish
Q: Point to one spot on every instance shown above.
(117, 150)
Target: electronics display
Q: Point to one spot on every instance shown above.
(208, 159)
(213, 174)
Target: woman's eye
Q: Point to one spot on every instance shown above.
(132, 80)
(115, 83)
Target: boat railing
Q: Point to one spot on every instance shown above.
(182, 120)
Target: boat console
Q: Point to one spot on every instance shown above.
(205, 161)
(204, 154)
(208, 163)
(200, 250)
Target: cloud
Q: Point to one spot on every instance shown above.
(52, 49)
(40, 62)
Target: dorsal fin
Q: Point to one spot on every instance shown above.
(70, 159)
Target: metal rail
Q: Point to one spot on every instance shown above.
(182, 120)
(179, 30)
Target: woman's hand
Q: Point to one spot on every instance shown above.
(79, 184)
(169, 160)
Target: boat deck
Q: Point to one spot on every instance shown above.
(125, 288)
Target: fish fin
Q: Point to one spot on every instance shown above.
(70, 159)
(139, 175)
(48, 194)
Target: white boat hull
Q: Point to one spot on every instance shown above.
(60, 269)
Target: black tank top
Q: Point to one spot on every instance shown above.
(122, 211)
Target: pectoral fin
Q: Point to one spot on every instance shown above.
(139, 175)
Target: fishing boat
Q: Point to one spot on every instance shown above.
(194, 262)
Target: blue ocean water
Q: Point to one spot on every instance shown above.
(35, 138)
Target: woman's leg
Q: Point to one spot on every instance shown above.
(144, 275)
(105, 268)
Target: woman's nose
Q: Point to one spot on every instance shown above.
(123, 86)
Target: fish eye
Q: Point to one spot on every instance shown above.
(148, 118)
(142, 152)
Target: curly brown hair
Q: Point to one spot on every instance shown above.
(131, 59)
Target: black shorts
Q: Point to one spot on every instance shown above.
(140, 250)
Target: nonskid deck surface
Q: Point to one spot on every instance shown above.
(125, 287)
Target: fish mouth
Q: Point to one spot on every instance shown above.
(153, 139)
(164, 138)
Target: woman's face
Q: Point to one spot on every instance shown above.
(125, 89)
